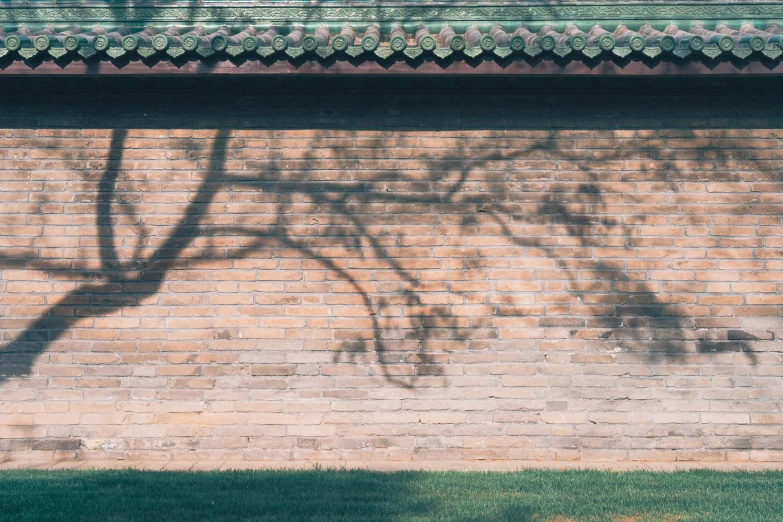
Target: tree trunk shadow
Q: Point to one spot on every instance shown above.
(53, 323)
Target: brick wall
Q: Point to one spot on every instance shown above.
(375, 276)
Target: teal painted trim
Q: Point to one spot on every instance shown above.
(528, 11)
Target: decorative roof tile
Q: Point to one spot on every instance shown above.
(352, 41)
(453, 37)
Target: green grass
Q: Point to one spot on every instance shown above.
(532, 495)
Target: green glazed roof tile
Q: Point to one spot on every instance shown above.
(402, 41)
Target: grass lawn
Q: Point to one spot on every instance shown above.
(531, 495)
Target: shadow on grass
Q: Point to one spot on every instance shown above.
(530, 495)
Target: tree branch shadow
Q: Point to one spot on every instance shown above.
(51, 325)
(637, 320)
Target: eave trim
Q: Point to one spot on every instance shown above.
(274, 12)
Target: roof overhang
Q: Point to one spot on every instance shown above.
(453, 38)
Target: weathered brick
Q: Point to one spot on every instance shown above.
(522, 286)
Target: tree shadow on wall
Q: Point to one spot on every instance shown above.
(531, 214)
